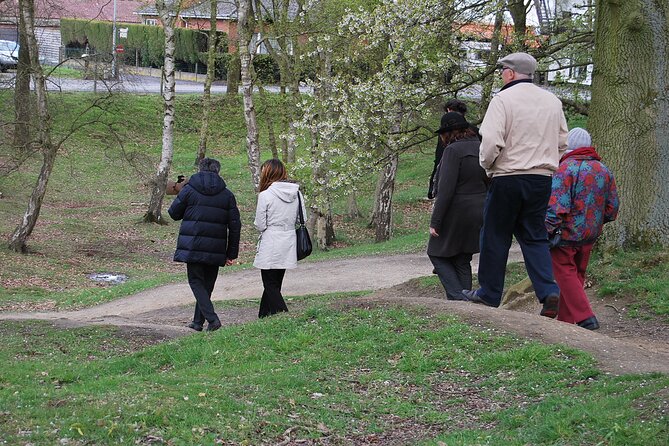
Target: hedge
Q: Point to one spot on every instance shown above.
(191, 45)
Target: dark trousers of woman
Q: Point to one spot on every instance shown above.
(455, 274)
(272, 301)
(202, 279)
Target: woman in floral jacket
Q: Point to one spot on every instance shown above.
(584, 197)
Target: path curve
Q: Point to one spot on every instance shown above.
(340, 275)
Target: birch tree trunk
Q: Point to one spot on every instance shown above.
(159, 182)
(211, 72)
(629, 115)
(245, 30)
(18, 240)
(383, 203)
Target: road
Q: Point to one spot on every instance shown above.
(126, 83)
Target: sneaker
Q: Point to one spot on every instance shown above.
(195, 326)
(213, 326)
(590, 323)
(472, 296)
(550, 308)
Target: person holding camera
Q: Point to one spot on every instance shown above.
(208, 236)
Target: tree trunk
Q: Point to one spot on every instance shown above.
(246, 26)
(629, 115)
(518, 11)
(271, 134)
(353, 211)
(159, 182)
(211, 72)
(22, 99)
(492, 59)
(233, 76)
(17, 241)
(383, 202)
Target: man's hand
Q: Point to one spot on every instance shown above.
(433, 232)
(230, 262)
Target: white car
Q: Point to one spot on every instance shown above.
(9, 54)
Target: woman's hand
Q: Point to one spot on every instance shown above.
(433, 232)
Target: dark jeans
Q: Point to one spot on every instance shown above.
(202, 279)
(515, 206)
(455, 274)
(272, 301)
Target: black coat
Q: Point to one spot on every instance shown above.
(211, 225)
(438, 153)
(458, 209)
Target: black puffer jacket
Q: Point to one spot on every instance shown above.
(211, 225)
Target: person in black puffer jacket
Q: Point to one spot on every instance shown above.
(208, 237)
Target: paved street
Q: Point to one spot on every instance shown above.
(126, 83)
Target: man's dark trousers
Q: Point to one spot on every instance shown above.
(516, 205)
(202, 278)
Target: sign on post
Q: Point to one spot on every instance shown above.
(120, 49)
(123, 33)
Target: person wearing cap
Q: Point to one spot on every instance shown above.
(524, 132)
(452, 105)
(583, 198)
(458, 209)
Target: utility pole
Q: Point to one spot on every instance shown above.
(114, 73)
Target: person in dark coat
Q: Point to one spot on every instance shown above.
(452, 105)
(457, 216)
(208, 236)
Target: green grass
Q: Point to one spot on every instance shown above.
(642, 276)
(325, 371)
(63, 71)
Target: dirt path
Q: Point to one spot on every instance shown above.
(619, 347)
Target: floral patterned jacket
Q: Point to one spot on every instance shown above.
(584, 197)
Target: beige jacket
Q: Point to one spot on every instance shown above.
(524, 132)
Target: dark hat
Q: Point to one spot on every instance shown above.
(519, 62)
(452, 121)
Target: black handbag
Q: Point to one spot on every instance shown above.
(303, 240)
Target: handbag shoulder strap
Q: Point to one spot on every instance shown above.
(300, 215)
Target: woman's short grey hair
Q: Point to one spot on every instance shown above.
(210, 165)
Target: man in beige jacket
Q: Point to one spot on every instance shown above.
(524, 134)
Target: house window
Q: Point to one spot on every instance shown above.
(151, 22)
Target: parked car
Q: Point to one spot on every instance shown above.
(9, 54)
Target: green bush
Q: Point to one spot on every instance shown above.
(266, 69)
(147, 41)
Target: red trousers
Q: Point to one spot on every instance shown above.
(569, 265)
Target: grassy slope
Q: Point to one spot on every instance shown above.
(90, 220)
(348, 374)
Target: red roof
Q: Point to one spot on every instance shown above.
(90, 9)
